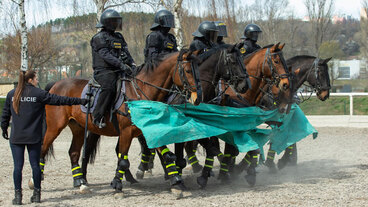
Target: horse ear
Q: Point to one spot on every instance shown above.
(281, 46)
(232, 48)
(296, 72)
(275, 47)
(325, 61)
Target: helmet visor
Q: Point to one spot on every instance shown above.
(167, 21)
(114, 24)
(222, 30)
(211, 36)
(254, 36)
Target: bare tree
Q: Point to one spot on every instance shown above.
(320, 13)
(364, 30)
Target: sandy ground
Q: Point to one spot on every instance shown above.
(332, 171)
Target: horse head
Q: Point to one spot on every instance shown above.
(320, 80)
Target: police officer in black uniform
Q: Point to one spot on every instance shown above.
(221, 26)
(160, 42)
(25, 105)
(111, 58)
(205, 37)
(251, 35)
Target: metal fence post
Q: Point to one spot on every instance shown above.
(351, 104)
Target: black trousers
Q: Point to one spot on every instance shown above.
(34, 151)
(107, 79)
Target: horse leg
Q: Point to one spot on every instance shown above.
(145, 157)
(251, 171)
(270, 160)
(215, 142)
(286, 158)
(230, 152)
(234, 152)
(74, 153)
(125, 140)
(169, 159)
(52, 132)
(190, 149)
(293, 155)
(128, 175)
(180, 161)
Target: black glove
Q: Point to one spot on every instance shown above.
(5, 134)
(84, 102)
(134, 68)
(126, 69)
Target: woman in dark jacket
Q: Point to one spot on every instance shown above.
(26, 106)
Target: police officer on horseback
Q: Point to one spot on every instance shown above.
(221, 26)
(111, 58)
(160, 42)
(205, 37)
(251, 35)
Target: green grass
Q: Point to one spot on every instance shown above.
(2, 102)
(335, 106)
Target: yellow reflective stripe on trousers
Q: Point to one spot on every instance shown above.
(247, 160)
(226, 170)
(227, 155)
(209, 159)
(174, 172)
(77, 175)
(209, 166)
(164, 151)
(125, 157)
(122, 172)
(75, 168)
(268, 156)
(42, 164)
(167, 166)
(144, 161)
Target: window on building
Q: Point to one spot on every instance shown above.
(344, 72)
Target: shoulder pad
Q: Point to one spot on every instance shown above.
(99, 41)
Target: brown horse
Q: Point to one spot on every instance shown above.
(149, 83)
(266, 68)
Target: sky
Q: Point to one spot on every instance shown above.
(35, 14)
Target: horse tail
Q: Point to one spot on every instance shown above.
(92, 146)
(50, 153)
(49, 86)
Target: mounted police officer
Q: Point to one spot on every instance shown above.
(110, 58)
(251, 35)
(221, 26)
(160, 42)
(205, 37)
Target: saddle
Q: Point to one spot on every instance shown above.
(95, 93)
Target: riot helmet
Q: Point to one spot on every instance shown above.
(163, 18)
(221, 26)
(110, 20)
(252, 31)
(207, 30)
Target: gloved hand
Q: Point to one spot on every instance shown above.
(5, 134)
(84, 101)
(126, 69)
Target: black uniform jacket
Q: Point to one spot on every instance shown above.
(249, 47)
(27, 125)
(109, 50)
(199, 43)
(158, 44)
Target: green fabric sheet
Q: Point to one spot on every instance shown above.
(164, 124)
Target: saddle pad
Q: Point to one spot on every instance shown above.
(96, 93)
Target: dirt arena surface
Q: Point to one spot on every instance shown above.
(332, 171)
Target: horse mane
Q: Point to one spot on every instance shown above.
(298, 58)
(151, 64)
(204, 56)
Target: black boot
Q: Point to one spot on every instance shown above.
(36, 198)
(17, 197)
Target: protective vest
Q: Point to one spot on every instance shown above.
(249, 47)
(158, 44)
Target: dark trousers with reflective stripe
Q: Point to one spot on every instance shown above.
(34, 151)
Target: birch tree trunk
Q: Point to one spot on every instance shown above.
(100, 4)
(178, 30)
(24, 39)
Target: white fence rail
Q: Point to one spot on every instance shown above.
(351, 95)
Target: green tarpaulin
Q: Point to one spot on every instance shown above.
(164, 124)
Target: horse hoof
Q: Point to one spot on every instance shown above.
(178, 190)
(31, 184)
(197, 168)
(139, 174)
(271, 166)
(224, 178)
(202, 181)
(84, 189)
(251, 179)
(117, 184)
